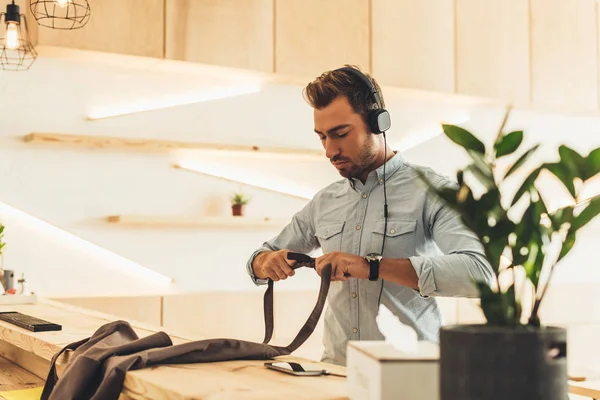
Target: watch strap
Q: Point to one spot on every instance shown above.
(373, 269)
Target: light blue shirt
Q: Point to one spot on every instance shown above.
(347, 216)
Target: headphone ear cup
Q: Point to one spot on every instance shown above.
(379, 121)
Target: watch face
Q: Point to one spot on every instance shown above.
(373, 256)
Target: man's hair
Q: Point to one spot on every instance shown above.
(332, 84)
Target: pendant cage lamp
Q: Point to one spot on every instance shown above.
(16, 50)
(61, 14)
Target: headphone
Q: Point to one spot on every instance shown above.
(379, 119)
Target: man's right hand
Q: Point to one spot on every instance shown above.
(274, 265)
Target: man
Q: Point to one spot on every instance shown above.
(427, 251)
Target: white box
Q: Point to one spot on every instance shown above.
(378, 371)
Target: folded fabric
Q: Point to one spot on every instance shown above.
(98, 364)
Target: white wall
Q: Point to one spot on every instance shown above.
(76, 189)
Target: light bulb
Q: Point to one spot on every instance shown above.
(62, 3)
(12, 36)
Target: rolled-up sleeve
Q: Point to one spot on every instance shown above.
(463, 262)
(298, 235)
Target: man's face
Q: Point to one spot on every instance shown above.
(348, 144)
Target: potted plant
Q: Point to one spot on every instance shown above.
(238, 201)
(513, 355)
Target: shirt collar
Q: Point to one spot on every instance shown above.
(391, 166)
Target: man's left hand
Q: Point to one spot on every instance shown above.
(343, 266)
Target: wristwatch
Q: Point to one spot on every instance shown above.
(373, 259)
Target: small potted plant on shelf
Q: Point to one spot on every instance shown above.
(513, 355)
(238, 201)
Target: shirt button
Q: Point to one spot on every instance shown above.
(354, 295)
(364, 196)
(358, 227)
(381, 181)
(354, 330)
(392, 231)
(327, 232)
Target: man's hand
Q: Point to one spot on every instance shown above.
(274, 265)
(343, 266)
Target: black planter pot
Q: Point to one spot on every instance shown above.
(479, 362)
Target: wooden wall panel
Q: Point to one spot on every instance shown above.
(413, 43)
(564, 54)
(31, 22)
(133, 27)
(234, 33)
(492, 39)
(313, 36)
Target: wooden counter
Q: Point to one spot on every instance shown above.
(235, 379)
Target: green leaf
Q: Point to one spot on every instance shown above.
(567, 245)
(464, 138)
(494, 249)
(513, 306)
(526, 186)
(574, 161)
(491, 304)
(448, 195)
(535, 261)
(593, 162)
(587, 214)
(521, 160)
(563, 173)
(460, 177)
(489, 201)
(561, 216)
(508, 144)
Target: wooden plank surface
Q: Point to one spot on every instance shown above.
(13, 377)
(133, 27)
(77, 324)
(564, 67)
(245, 380)
(413, 44)
(205, 222)
(233, 33)
(236, 379)
(586, 388)
(492, 49)
(119, 143)
(313, 36)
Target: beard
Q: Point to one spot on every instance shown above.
(355, 168)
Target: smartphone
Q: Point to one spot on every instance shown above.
(293, 368)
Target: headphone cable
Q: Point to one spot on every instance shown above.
(385, 210)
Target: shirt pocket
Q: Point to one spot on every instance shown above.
(330, 236)
(400, 239)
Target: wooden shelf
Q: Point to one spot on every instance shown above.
(197, 222)
(106, 142)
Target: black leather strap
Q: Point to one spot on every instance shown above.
(311, 322)
(373, 270)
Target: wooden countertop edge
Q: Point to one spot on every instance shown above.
(110, 318)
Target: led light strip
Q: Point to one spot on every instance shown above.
(304, 194)
(176, 100)
(56, 233)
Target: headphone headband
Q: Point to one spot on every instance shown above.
(373, 90)
(379, 119)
